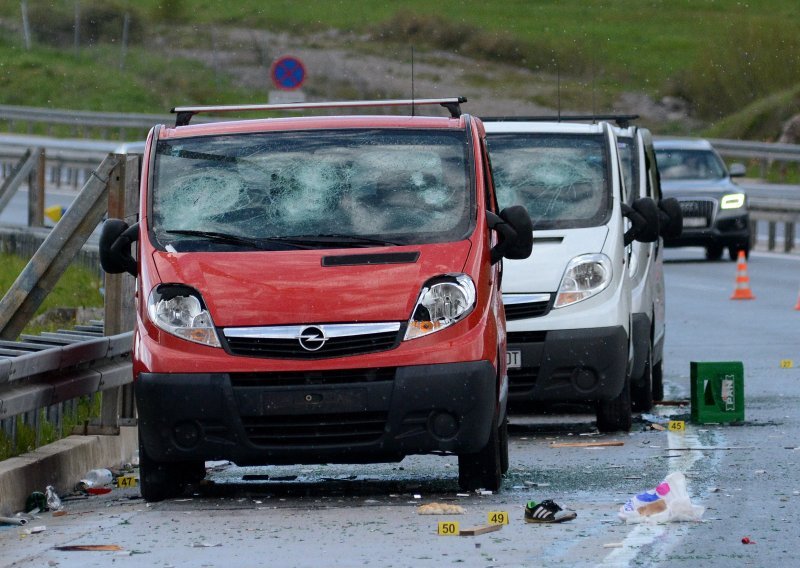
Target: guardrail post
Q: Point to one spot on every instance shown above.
(36, 183)
(788, 236)
(771, 236)
(120, 313)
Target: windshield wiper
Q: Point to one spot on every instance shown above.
(237, 239)
(341, 239)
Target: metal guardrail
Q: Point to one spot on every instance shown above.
(757, 150)
(40, 371)
(773, 211)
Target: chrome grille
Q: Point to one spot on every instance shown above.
(340, 340)
(703, 208)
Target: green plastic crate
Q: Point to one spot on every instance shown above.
(717, 392)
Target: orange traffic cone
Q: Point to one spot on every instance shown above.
(742, 291)
(797, 305)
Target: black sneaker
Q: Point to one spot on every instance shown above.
(547, 512)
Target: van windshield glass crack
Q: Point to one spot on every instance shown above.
(346, 187)
(561, 179)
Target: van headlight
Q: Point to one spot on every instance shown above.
(442, 302)
(179, 310)
(585, 276)
(732, 201)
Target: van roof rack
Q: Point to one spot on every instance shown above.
(621, 120)
(453, 104)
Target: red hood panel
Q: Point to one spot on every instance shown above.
(279, 288)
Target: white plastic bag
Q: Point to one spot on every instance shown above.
(668, 502)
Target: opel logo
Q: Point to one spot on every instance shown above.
(312, 338)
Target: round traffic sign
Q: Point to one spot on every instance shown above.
(288, 73)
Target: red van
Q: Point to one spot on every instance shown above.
(318, 290)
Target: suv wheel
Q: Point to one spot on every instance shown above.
(483, 469)
(733, 252)
(160, 480)
(615, 414)
(642, 389)
(658, 381)
(714, 252)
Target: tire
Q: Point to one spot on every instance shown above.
(483, 469)
(160, 480)
(642, 389)
(658, 381)
(504, 462)
(733, 252)
(615, 414)
(714, 252)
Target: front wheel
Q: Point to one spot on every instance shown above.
(733, 252)
(642, 389)
(615, 414)
(483, 469)
(163, 480)
(714, 252)
(658, 381)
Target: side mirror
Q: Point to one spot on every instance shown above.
(516, 233)
(644, 220)
(671, 218)
(116, 238)
(737, 170)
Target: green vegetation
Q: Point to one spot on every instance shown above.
(78, 287)
(720, 55)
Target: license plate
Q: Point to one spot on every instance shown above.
(513, 359)
(695, 222)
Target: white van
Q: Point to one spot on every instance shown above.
(646, 267)
(569, 306)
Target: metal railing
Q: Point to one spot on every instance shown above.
(46, 374)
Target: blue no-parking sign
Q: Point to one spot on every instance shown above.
(288, 73)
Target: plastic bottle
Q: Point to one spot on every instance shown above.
(53, 500)
(97, 478)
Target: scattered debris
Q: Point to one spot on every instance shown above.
(100, 477)
(13, 521)
(482, 529)
(586, 444)
(89, 547)
(484, 492)
(59, 513)
(668, 502)
(613, 545)
(657, 426)
(205, 544)
(52, 498)
(746, 540)
(440, 509)
(34, 530)
(548, 511)
(536, 484)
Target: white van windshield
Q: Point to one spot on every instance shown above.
(302, 189)
(561, 179)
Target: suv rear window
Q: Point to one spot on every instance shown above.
(321, 189)
(561, 179)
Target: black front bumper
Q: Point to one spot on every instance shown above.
(573, 365)
(733, 231)
(360, 416)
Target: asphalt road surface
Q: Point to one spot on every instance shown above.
(745, 476)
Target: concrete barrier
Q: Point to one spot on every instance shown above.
(61, 464)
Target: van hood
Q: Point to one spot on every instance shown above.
(552, 250)
(311, 286)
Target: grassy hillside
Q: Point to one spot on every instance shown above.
(719, 55)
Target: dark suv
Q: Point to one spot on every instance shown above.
(714, 208)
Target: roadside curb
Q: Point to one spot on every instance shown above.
(61, 464)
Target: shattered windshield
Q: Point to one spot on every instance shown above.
(689, 164)
(322, 189)
(561, 179)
